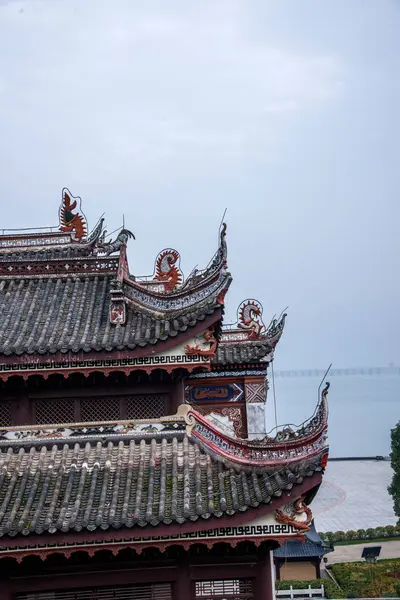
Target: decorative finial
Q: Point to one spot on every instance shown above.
(70, 221)
(325, 390)
(122, 239)
(167, 269)
(250, 317)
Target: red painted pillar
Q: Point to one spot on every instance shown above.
(265, 581)
(182, 588)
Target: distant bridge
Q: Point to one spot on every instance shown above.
(391, 370)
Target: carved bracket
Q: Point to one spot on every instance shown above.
(198, 351)
(292, 515)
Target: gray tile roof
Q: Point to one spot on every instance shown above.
(112, 484)
(46, 315)
(241, 352)
(311, 547)
(297, 549)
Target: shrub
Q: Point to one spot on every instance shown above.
(390, 531)
(338, 536)
(371, 533)
(380, 532)
(351, 535)
(366, 580)
(394, 488)
(361, 534)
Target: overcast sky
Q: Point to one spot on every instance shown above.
(284, 112)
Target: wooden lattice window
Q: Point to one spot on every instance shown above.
(93, 409)
(100, 409)
(224, 589)
(145, 407)
(5, 414)
(149, 591)
(60, 410)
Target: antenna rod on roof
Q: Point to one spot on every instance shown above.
(123, 221)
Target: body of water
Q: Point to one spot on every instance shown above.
(363, 406)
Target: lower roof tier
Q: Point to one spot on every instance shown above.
(113, 485)
(171, 470)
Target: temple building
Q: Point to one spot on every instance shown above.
(134, 459)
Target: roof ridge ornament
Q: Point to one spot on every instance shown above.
(167, 269)
(218, 263)
(250, 317)
(72, 219)
(275, 330)
(122, 238)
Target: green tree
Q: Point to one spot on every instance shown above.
(394, 488)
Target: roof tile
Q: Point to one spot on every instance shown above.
(126, 483)
(72, 314)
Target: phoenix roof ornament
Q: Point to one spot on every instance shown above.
(72, 219)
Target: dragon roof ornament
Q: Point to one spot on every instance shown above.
(167, 275)
(250, 327)
(70, 239)
(167, 269)
(250, 318)
(163, 292)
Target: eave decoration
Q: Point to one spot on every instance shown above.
(297, 515)
(209, 338)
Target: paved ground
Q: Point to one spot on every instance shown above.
(354, 495)
(353, 552)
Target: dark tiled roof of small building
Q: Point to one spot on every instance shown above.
(46, 315)
(241, 352)
(298, 549)
(311, 547)
(113, 484)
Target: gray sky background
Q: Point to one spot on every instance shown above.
(285, 112)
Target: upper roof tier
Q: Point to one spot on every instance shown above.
(68, 290)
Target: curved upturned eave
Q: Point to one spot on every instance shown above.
(259, 455)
